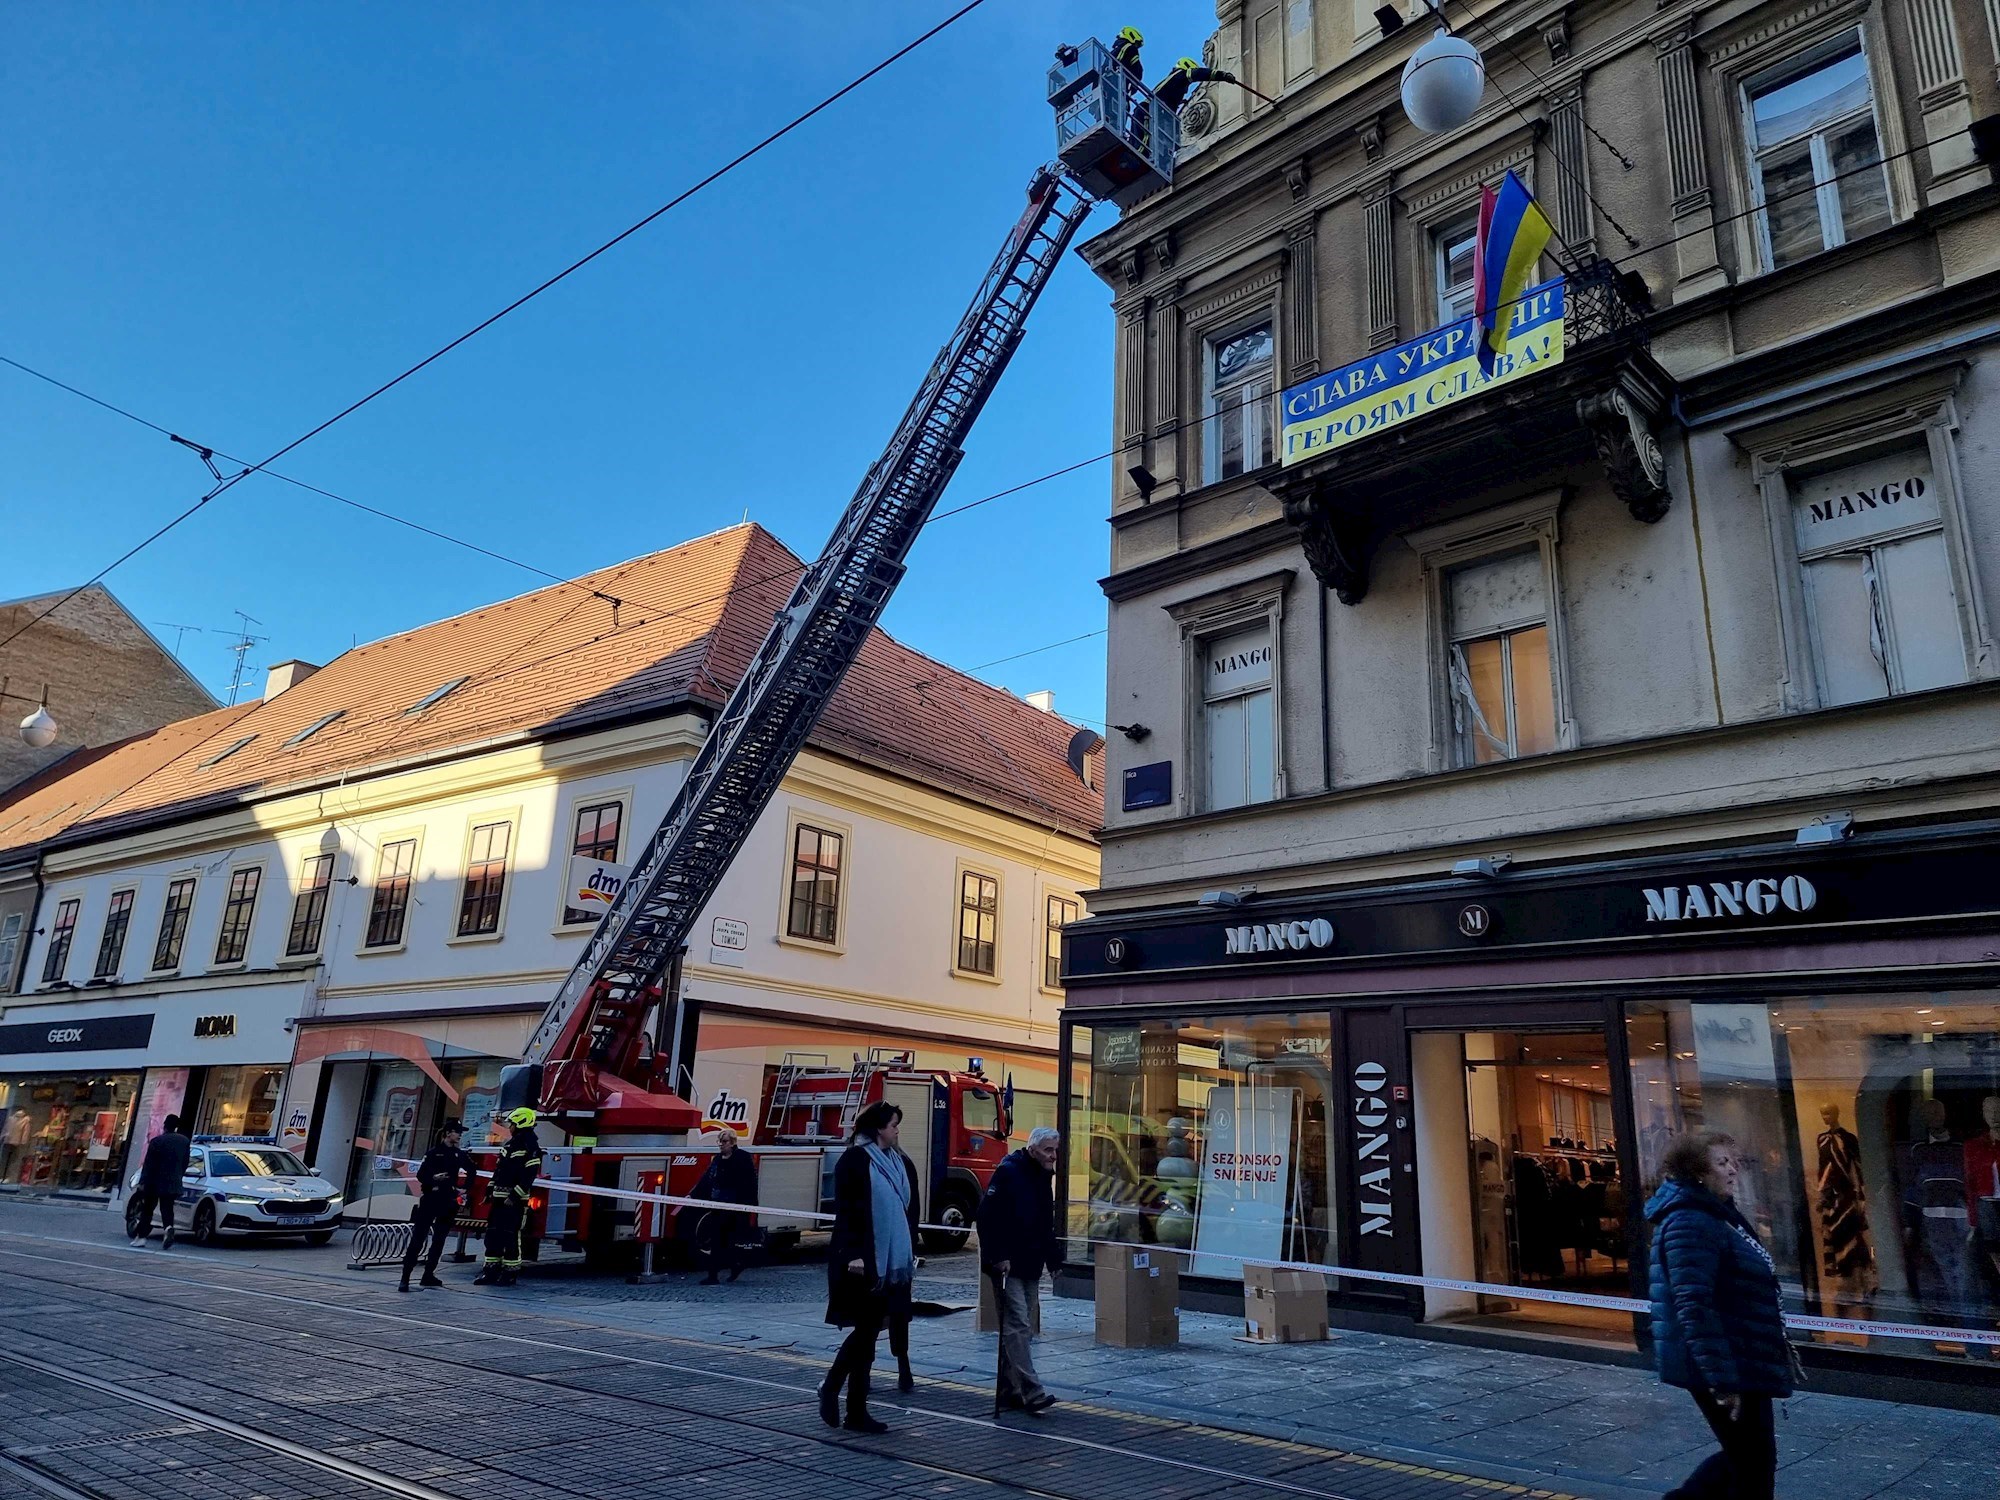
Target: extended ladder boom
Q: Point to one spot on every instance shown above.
(598, 1016)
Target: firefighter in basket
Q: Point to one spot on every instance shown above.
(514, 1174)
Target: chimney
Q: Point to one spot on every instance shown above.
(286, 674)
(1044, 700)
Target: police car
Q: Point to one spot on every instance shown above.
(246, 1185)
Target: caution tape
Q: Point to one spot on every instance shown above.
(1804, 1322)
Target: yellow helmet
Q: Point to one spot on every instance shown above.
(1130, 34)
(521, 1118)
(1186, 65)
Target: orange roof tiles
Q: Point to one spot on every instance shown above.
(561, 660)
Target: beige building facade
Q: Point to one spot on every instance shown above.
(1540, 763)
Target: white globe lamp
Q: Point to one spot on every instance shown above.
(1443, 83)
(39, 729)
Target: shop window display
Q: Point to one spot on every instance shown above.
(65, 1134)
(401, 1110)
(240, 1101)
(1869, 1128)
(1210, 1136)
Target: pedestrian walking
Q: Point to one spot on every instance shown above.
(1718, 1325)
(1017, 1243)
(445, 1173)
(871, 1260)
(900, 1309)
(514, 1174)
(160, 1177)
(730, 1178)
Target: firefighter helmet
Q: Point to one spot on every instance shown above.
(521, 1118)
(1186, 65)
(1131, 34)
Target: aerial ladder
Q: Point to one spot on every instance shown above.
(599, 1066)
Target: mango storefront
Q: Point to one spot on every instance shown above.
(1472, 1080)
(85, 1083)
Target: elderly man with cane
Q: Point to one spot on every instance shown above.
(1017, 1242)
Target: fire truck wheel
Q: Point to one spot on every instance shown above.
(954, 1209)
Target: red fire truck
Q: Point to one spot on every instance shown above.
(954, 1125)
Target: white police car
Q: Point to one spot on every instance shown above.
(245, 1185)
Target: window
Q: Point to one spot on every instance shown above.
(309, 906)
(233, 941)
(1237, 386)
(1061, 912)
(978, 922)
(485, 880)
(1881, 609)
(1452, 273)
(436, 695)
(60, 937)
(10, 947)
(220, 756)
(1236, 692)
(173, 924)
(314, 728)
(1502, 689)
(814, 909)
(597, 830)
(1812, 137)
(391, 904)
(111, 946)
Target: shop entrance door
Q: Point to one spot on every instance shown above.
(1519, 1177)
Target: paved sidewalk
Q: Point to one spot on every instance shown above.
(1539, 1421)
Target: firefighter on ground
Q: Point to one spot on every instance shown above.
(444, 1173)
(514, 1174)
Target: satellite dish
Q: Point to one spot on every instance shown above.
(1082, 744)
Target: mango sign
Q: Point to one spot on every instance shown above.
(1419, 377)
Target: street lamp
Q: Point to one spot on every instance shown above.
(39, 729)
(1443, 83)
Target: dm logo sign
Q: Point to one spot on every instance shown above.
(594, 884)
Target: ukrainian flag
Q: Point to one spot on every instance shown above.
(1513, 232)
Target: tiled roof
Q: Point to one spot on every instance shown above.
(564, 659)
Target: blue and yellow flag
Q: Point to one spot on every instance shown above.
(1513, 232)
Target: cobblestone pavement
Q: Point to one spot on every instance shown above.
(292, 1345)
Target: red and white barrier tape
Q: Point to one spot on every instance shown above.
(1804, 1322)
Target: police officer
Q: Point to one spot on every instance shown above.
(514, 1174)
(438, 1186)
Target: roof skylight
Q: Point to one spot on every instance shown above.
(314, 728)
(221, 755)
(436, 695)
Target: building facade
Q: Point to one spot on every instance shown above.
(333, 916)
(1543, 761)
(102, 674)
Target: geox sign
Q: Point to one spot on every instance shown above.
(1731, 898)
(1278, 937)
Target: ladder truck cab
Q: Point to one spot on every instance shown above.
(954, 1126)
(605, 1066)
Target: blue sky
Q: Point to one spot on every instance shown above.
(236, 219)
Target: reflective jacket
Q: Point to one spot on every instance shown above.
(519, 1165)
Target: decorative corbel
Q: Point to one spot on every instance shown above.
(1631, 455)
(1295, 177)
(1338, 547)
(1370, 132)
(1164, 246)
(1555, 37)
(1132, 263)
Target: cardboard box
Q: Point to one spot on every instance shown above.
(1283, 1307)
(1138, 1296)
(988, 1318)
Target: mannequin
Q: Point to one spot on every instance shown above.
(1934, 1215)
(1982, 1185)
(1847, 1251)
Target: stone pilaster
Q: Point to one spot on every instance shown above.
(1168, 357)
(1699, 266)
(1131, 414)
(1572, 179)
(1376, 203)
(1944, 99)
(1301, 299)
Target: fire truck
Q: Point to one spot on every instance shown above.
(602, 1067)
(954, 1126)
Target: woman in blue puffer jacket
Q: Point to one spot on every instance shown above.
(1718, 1327)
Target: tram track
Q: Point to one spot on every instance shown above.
(771, 1406)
